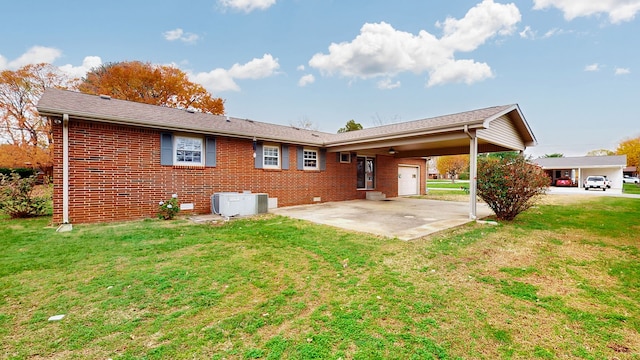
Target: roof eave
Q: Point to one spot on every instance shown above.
(44, 111)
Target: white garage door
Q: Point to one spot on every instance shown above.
(408, 180)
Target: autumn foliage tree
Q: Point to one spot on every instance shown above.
(631, 148)
(150, 84)
(452, 165)
(510, 186)
(27, 137)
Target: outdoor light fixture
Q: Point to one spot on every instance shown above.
(255, 144)
(392, 151)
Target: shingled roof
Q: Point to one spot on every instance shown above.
(582, 162)
(56, 102)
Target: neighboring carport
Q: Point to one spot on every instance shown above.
(494, 129)
(578, 168)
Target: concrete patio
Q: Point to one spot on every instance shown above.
(401, 218)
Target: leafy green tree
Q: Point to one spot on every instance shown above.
(510, 185)
(554, 155)
(351, 125)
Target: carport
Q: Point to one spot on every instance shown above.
(578, 168)
(493, 129)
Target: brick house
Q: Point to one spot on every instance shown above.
(115, 160)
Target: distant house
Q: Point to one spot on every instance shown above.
(116, 160)
(578, 168)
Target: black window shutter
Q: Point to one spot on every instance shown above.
(323, 159)
(285, 157)
(259, 156)
(166, 149)
(210, 154)
(299, 159)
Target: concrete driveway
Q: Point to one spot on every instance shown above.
(402, 218)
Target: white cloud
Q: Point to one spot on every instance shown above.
(179, 34)
(247, 5)
(527, 33)
(617, 10)
(219, 80)
(622, 71)
(35, 55)
(386, 84)
(88, 63)
(300, 68)
(592, 67)
(306, 80)
(382, 51)
(256, 68)
(467, 71)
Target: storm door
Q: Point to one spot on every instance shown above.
(366, 177)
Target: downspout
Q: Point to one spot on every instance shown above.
(473, 172)
(65, 226)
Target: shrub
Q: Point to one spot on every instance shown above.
(22, 172)
(169, 209)
(17, 199)
(510, 185)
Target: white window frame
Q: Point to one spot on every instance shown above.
(197, 140)
(277, 156)
(346, 160)
(306, 152)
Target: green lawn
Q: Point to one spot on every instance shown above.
(631, 188)
(561, 281)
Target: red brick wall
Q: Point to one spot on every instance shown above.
(115, 174)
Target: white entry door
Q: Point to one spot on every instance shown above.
(408, 180)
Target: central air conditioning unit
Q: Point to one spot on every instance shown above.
(239, 204)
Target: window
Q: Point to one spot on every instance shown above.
(271, 156)
(188, 151)
(345, 157)
(310, 159)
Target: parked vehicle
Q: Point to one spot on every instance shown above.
(595, 182)
(607, 181)
(631, 180)
(564, 181)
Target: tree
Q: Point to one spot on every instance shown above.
(305, 123)
(27, 137)
(601, 152)
(510, 186)
(150, 84)
(351, 125)
(631, 148)
(554, 155)
(452, 165)
(504, 155)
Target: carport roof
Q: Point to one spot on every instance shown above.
(582, 162)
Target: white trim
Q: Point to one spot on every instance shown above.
(176, 137)
(65, 168)
(317, 159)
(348, 161)
(278, 157)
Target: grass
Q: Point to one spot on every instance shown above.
(631, 188)
(561, 281)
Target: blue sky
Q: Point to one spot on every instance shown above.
(572, 65)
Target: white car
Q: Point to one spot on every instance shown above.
(630, 180)
(595, 182)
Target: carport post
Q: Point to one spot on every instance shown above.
(473, 173)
